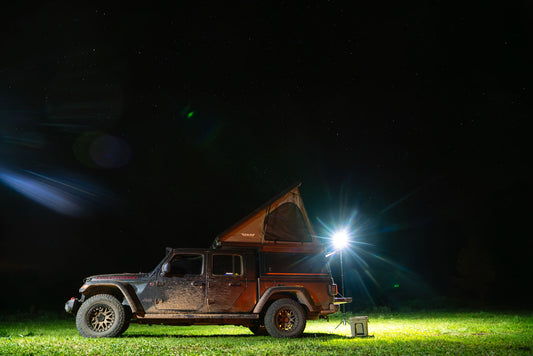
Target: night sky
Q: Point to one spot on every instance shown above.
(125, 130)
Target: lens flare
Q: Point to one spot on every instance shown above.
(62, 195)
(110, 151)
(43, 193)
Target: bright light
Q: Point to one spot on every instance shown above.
(340, 239)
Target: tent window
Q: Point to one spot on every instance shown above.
(286, 223)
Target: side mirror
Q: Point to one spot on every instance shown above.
(165, 269)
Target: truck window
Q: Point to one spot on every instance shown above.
(186, 264)
(227, 265)
(301, 263)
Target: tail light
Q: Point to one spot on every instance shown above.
(333, 289)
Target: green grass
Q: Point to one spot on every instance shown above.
(483, 333)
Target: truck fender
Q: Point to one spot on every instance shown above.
(301, 294)
(124, 288)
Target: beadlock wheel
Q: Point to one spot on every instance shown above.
(101, 316)
(285, 318)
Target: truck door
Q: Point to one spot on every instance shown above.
(226, 284)
(182, 288)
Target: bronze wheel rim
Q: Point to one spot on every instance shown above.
(286, 319)
(100, 318)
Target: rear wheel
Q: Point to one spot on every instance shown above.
(285, 318)
(101, 316)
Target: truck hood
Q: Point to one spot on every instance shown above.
(129, 277)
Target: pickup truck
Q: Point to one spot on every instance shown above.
(269, 274)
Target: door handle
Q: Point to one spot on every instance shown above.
(234, 284)
(197, 283)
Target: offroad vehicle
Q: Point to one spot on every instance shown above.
(268, 273)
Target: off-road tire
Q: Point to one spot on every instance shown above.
(285, 318)
(127, 318)
(258, 330)
(101, 316)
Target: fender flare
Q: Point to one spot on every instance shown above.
(126, 290)
(302, 295)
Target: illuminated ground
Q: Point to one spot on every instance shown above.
(483, 333)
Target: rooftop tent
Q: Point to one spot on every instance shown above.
(281, 224)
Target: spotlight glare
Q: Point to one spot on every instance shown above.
(340, 239)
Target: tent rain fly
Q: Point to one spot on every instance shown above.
(281, 224)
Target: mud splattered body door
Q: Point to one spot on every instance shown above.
(226, 282)
(183, 287)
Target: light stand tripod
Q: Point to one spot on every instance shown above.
(343, 306)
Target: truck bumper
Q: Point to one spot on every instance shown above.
(72, 305)
(333, 308)
(342, 300)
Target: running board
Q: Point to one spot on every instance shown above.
(196, 316)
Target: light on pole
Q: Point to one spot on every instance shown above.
(340, 240)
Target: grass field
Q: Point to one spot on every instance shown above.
(483, 333)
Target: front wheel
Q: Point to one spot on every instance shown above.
(258, 330)
(127, 319)
(285, 318)
(101, 316)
